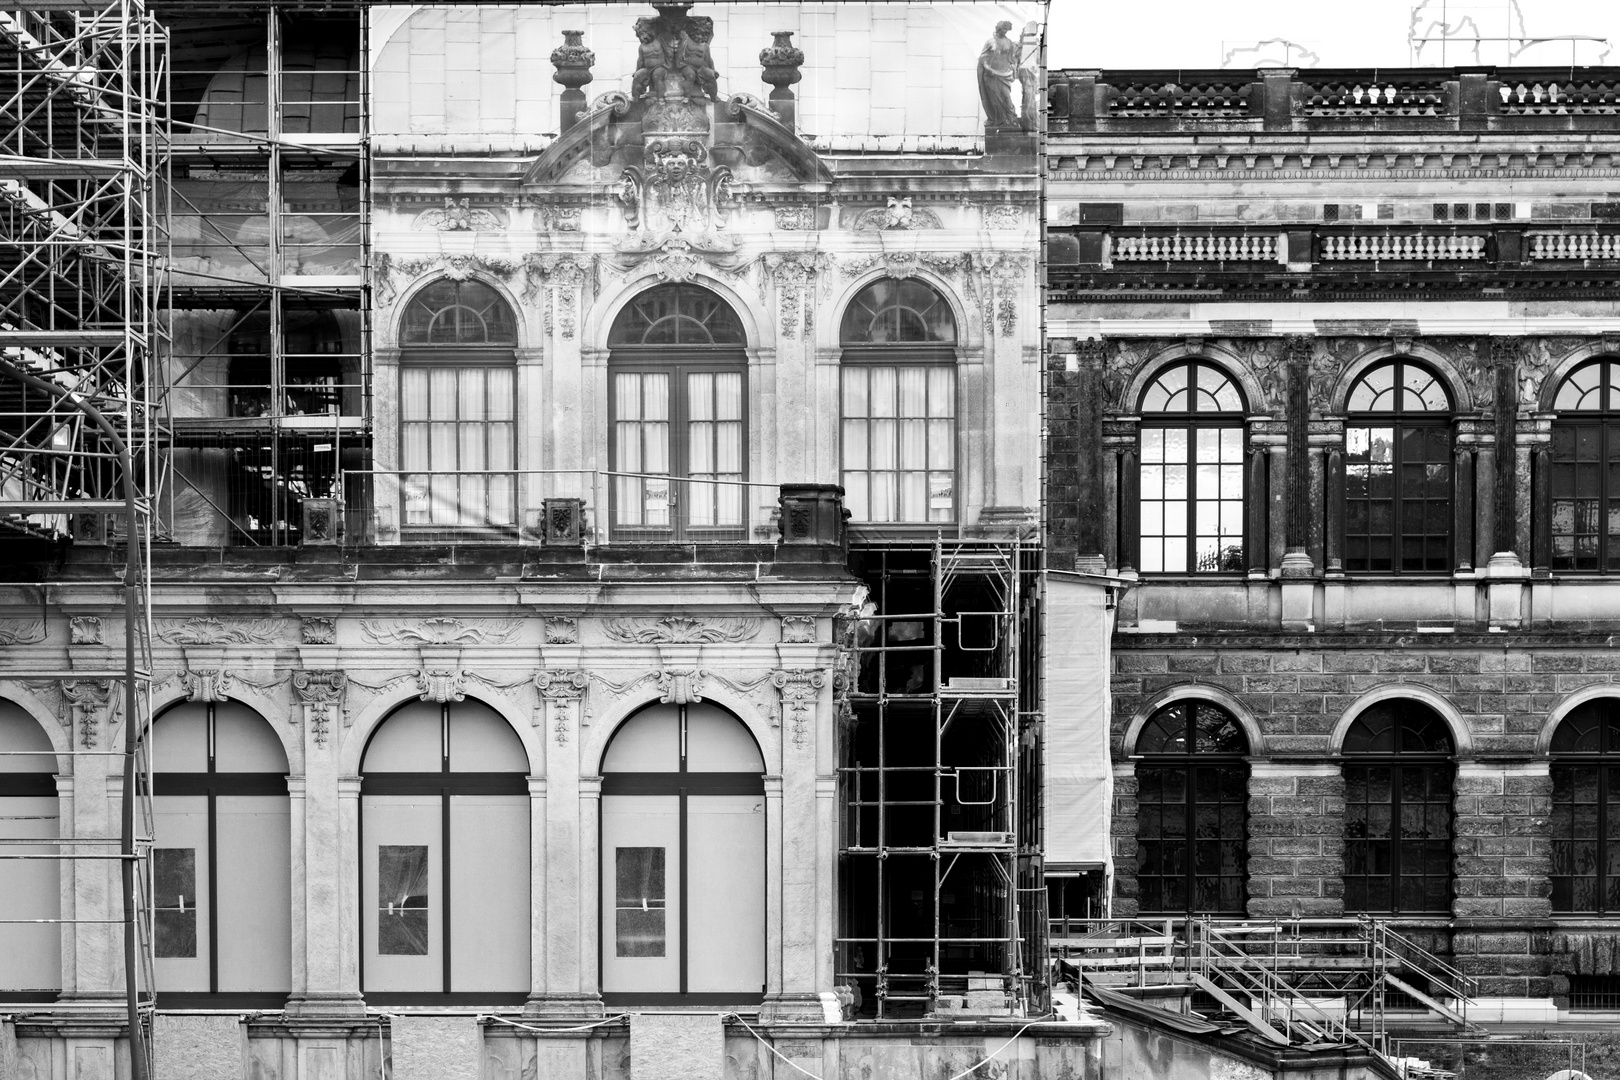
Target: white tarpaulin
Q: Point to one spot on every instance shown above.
(1079, 779)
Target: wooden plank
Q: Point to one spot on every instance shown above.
(1411, 991)
(1086, 963)
(1254, 1019)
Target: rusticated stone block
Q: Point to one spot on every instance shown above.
(1322, 785)
(1244, 663)
(1193, 663)
(1555, 662)
(1140, 663)
(1401, 662)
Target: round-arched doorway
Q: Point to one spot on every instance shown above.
(683, 859)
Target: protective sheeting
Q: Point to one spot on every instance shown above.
(1079, 779)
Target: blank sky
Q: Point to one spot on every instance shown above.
(1201, 33)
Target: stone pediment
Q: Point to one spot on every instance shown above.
(617, 133)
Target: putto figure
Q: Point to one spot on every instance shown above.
(652, 61)
(998, 67)
(694, 61)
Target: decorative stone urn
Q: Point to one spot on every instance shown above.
(573, 63)
(781, 69)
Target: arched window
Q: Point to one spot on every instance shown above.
(899, 404)
(683, 859)
(1585, 496)
(1192, 471)
(1397, 472)
(444, 865)
(1192, 811)
(1586, 810)
(1397, 819)
(679, 403)
(221, 856)
(457, 408)
(31, 968)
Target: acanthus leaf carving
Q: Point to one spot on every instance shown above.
(207, 684)
(800, 690)
(798, 629)
(321, 692)
(564, 688)
(207, 630)
(681, 686)
(442, 684)
(561, 630)
(84, 630)
(86, 701)
(317, 630)
(794, 274)
(21, 631)
(680, 630)
(443, 631)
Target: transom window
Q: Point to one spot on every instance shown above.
(1397, 825)
(679, 402)
(1585, 525)
(1191, 507)
(1398, 492)
(1192, 811)
(1586, 809)
(458, 409)
(899, 404)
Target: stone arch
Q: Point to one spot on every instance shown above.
(764, 731)
(1228, 360)
(1558, 372)
(289, 734)
(1462, 398)
(48, 719)
(1462, 738)
(387, 329)
(1195, 691)
(1568, 704)
(969, 331)
(366, 721)
(599, 317)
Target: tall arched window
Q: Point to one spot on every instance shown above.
(1192, 471)
(457, 408)
(1192, 811)
(30, 952)
(221, 856)
(1397, 471)
(679, 383)
(444, 864)
(1585, 496)
(1397, 819)
(1586, 810)
(899, 404)
(683, 859)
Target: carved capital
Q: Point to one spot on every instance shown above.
(320, 692)
(561, 684)
(800, 690)
(87, 700)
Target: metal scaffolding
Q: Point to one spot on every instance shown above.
(941, 890)
(266, 387)
(83, 112)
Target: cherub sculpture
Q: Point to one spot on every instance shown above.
(652, 62)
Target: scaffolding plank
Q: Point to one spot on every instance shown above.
(32, 168)
(61, 339)
(1252, 1018)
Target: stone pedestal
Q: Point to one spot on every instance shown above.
(1298, 592)
(1506, 577)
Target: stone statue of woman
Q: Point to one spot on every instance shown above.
(998, 67)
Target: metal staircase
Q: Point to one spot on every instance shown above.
(1304, 983)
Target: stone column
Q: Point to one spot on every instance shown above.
(327, 878)
(1125, 901)
(537, 887)
(93, 960)
(1503, 872)
(1296, 839)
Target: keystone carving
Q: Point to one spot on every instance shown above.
(681, 686)
(798, 629)
(84, 630)
(317, 631)
(442, 685)
(561, 630)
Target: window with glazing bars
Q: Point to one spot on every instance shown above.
(1398, 810)
(1585, 497)
(1398, 512)
(1585, 822)
(1192, 471)
(1192, 811)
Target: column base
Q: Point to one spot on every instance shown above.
(801, 1009)
(564, 1007)
(334, 1006)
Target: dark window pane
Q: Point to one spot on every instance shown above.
(402, 900)
(174, 880)
(639, 902)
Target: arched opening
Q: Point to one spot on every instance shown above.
(29, 888)
(444, 858)
(458, 409)
(1190, 513)
(683, 859)
(1581, 512)
(221, 856)
(1192, 813)
(1397, 472)
(898, 380)
(678, 378)
(1585, 824)
(1398, 777)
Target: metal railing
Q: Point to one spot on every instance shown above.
(562, 507)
